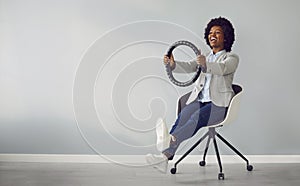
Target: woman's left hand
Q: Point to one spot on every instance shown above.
(201, 60)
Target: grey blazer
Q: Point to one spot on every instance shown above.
(222, 71)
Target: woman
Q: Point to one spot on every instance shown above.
(208, 102)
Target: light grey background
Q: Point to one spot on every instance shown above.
(47, 48)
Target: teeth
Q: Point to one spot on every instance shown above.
(213, 38)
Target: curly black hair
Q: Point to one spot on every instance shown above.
(227, 28)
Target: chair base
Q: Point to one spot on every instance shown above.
(211, 135)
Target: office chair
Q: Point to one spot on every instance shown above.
(212, 133)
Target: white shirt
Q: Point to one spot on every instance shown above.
(204, 94)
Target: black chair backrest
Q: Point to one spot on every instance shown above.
(183, 99)
(236, 88)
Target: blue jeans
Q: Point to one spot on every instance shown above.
(191, 119)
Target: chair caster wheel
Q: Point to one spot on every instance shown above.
(221, 176)
(202, 163)
(173, 171)
(249, 167)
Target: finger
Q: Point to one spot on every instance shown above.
(166, 59)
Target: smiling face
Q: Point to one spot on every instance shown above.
(216, 38)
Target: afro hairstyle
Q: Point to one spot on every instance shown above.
(227, 28)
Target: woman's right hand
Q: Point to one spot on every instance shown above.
(170, 61)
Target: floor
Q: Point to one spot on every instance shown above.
(92, 174)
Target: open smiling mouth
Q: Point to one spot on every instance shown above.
(213, 39)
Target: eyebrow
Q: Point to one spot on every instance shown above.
(217, 30)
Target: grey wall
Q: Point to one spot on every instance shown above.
(85, 77)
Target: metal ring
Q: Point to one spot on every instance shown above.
(168, 67)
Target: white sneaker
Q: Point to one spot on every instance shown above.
(162, 135)
(159, 162)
